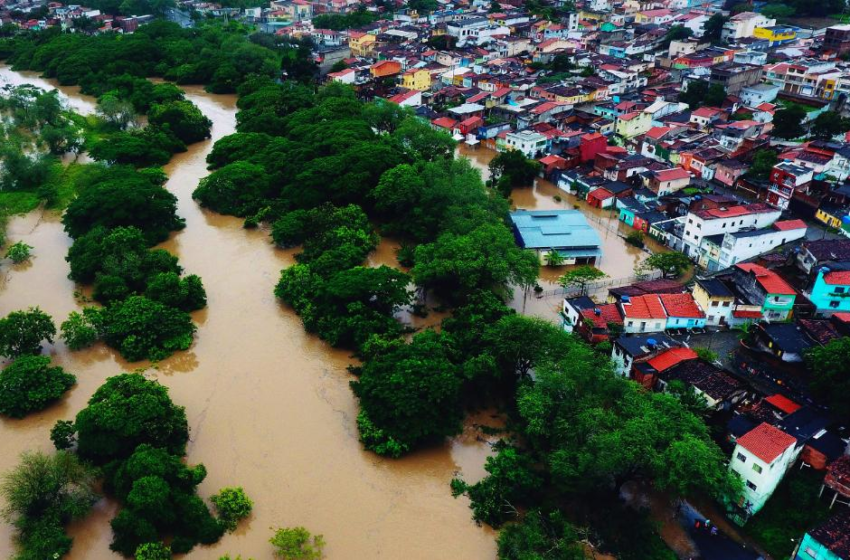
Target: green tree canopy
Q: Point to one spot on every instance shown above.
(22, 332)
(125, 412)
(788, 122)
(828, 375)
(29, 384)
(671, 264)
(409, 394)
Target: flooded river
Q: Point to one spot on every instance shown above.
(269, 406)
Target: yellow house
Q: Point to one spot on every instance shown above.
(418, 79)
(775, 33)
(633, 124)
(361, 44)
(715, 299)
(828, 217)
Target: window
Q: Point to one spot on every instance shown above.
(741, 457)
(631, 323)
(715, 303)
(751, 486)
(727, 303)
(690, 220)
(834, 304)
(811, 552)
(839, 290)
(757, 468)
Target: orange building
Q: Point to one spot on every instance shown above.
(385, 68)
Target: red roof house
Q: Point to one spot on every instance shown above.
(766, 442)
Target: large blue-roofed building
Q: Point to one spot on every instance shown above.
(564, 231)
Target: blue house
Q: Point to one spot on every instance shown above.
(563, 231)
(831, 289)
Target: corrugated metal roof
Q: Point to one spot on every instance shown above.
(558, 229)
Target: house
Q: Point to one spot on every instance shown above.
(563, 231)
(347, 76)
(814, 253)
(647, 373)
(385, 68)
(785, 341)
(627, 350)
(744, 25)
(724, 250)
(667, 181)
(725, 219)
(830, 292)
(412, 98)
(361, 44)
(760, 286)
(416, 78)
(756, 94)
(683, 312)
(828, 541)
(571, 309)
(716, 299)
(761, 457)
(643, 314)
(532, 144)
(596, 322)
(837, 39)
(719, 389)
(785, 179)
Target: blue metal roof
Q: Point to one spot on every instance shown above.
(555, 229)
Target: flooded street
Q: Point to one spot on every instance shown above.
(269, 406)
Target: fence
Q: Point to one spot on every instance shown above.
(596, 287)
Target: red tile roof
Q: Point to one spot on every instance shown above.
(747, 314)
(672, 357)
(644, 307)
(840, 277)
(608, 313)
(672, 174)
(769, 280)
(766, 442)
(681, 305)
(600, 194)
(789, 225)
(844, 317)
(783, 403)
(444, 122)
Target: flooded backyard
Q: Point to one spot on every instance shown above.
(269, 406)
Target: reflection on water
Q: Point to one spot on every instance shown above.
(269, 406)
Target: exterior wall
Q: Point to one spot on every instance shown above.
(810, 549)
(778, 307)
(737, 249)
(718, 310)
(633, 325)
(419, 80)
(747, 464)
(829, 298)
(685, 322)
(696, 227)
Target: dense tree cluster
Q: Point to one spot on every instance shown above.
(30, 384)
(586, 432)
(219, 56)
(138, 436)
(146, 300)
(325, 170)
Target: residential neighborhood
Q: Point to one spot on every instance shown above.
(694, 157)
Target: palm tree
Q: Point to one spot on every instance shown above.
(554, 258)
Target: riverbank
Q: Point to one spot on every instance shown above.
(268, 405)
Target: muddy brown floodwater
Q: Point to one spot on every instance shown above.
(268, 405)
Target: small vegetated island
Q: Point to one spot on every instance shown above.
(331, 174)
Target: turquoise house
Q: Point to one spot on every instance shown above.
(830, 541)
(831, 291)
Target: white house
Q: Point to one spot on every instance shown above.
(744, 25)
(643, 314)
(761, 457)
(755, 95)
(722, 251)
(724, 220)
(528, 142)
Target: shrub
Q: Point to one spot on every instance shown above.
(297, 544)
(141, 329)
(153, 551)
(29, 384)
(232, 505)
(19, 252)
(81, 330)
